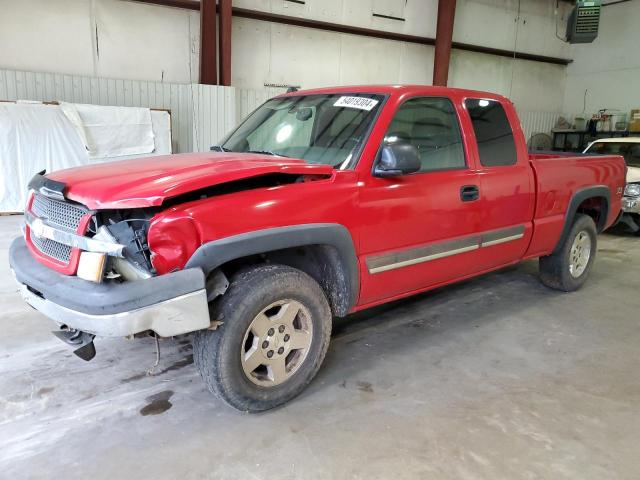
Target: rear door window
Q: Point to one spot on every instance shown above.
(496, 145)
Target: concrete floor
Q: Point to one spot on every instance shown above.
(496, 378)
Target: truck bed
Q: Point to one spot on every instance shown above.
(558, 178)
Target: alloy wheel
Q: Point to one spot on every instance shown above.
(579, 254)
(276, 343)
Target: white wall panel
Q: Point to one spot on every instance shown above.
(247, 101)
(391, 8)
(108, 38)
(492, 23)
(251, 53)
(325, 10)
(538, 122)
(138, 41)
(271, 53)
(304, 56)
(369, 60)
(606, 73)
(19, 85)
(46, 35)
(420, 18)
(215, 114)
(419, 15)
(416, 64)
(119, 39)
(617, 90)
(538, 86)
(480, 72)
(201, 115)
(536, 25)
(530, 85)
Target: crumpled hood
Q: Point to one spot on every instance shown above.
(147, 182)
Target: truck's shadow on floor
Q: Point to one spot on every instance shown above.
(421, 323)
(417, 321)
(399, 327)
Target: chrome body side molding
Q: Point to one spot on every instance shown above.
(413, 256)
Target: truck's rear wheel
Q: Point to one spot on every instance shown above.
(569, 267)
(276, 325)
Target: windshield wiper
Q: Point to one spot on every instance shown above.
(219, 148)
(267, 152)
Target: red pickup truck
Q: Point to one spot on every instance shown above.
(319, 204)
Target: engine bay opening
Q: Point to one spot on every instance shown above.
(128, 228)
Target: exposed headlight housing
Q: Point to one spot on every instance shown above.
(632, 190)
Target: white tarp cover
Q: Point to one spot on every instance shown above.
(36, 137)
(33, 137)
(112, 131)
(161, 122)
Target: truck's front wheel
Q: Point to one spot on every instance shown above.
(568, 268)
(276, 325)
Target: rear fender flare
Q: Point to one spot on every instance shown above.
(578, 197)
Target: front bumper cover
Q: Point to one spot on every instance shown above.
(168, 305)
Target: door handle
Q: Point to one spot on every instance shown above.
(469, 193)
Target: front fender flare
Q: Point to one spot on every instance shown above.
(211, 255)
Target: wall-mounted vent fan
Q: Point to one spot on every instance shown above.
(583, 23)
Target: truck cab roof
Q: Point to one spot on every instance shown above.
(399, 90)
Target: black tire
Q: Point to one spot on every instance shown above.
(555, 269)
(217, 353)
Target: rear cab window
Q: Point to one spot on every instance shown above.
(496, 145)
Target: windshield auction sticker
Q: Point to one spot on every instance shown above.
(361, 103)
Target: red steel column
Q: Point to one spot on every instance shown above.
(208, 60)
(225, 42)
(444, 36)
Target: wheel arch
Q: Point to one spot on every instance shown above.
(325, 251)
(593, 201)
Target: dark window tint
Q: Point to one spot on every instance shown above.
(431, 125)
(493, 132)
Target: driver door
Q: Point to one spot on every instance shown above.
(420, 230)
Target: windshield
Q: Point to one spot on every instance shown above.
(630, 151)
(327, 129)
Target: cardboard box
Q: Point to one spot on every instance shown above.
(634, 120)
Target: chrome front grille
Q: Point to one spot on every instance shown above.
(57, 213)
(51, 248)
(62, 215)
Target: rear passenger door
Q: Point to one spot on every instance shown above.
(420, 230)
(506, 182)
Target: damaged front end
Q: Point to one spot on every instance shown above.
(91, 272)
(127, 228)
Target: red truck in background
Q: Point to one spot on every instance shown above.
(319, 204)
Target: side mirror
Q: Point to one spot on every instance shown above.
(397, 159)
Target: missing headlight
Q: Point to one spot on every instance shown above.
(128, 228)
